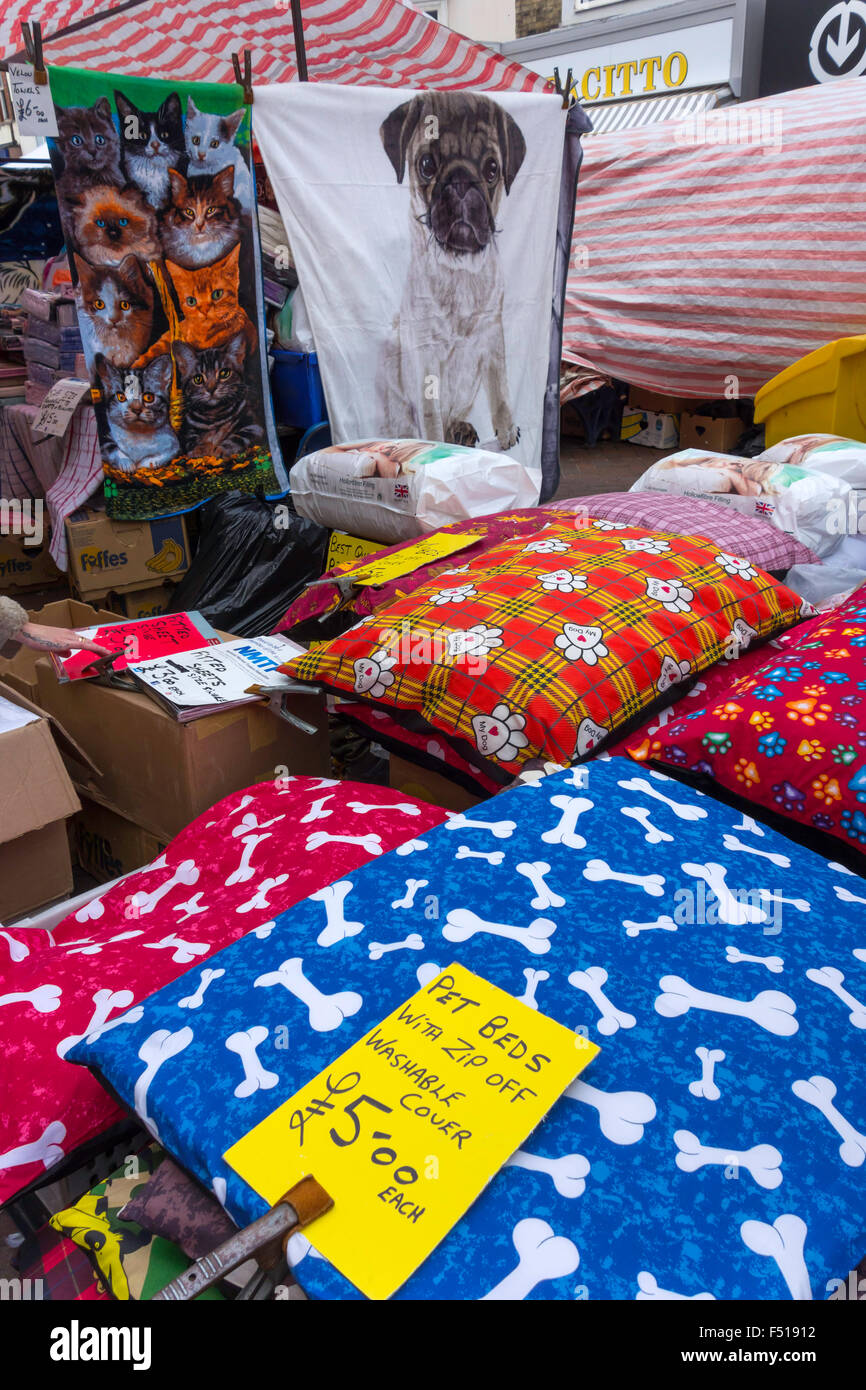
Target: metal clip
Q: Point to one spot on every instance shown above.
(565, 92)
(244, 80)
(32, 33)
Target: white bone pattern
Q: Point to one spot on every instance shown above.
(44, 998)
(256, 1077)
(567, 1173)
(259, 901)
(186, 873)
(763, 1161)
(597, 871)
(500, 829)
(680, 809)
(317, 810)
(622, 1115)
(750, 826)
(820, 1091)
(372, 844)
(361, 808)
(191, 908)
(86, 946)
(784, 1242)
(648, 1288)
(833, 980)
(427, 972)
(652, 836)
(157, 1049)
(245, 871)
(541, 1255)
(592, 982)
(105, 1001)
(461, 924)
(734, 956)
(846, 896)
(781, 861)
(774, 897)
(411, 847)
(18, 950)
(377, 949)
(325, 1011)
(533, 979)
(46, 1149)
(336, 928)
(705, 1086)
(565, 833)
(195, 1000)
(184, 952)
(412, 886)
(545, 897)
(664, 923)
(495, 857)
(770, 1009)
(732, 912)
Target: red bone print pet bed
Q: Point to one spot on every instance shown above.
(233, 870)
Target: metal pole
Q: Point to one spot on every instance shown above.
(300, 46)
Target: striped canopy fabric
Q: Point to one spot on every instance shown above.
(379, 42)
(721, 244)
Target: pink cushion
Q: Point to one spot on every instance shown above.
(233, 870)
(755, 540)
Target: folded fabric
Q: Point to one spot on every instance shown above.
(172, 1205)
(227, 873)
(545, 644)
(715, 1146)
(133, 1263)
(791, 735)
(758, 541)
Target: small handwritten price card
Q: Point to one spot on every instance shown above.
(59, 406)
(408, 1126)
(34, 109)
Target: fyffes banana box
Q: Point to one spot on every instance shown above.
(106, 554)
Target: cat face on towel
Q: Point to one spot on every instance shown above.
(152, 143)
(216, 417)
(208, 299)
(137, 406)
(117, 303)
(210, 140)
(108, 224)
(90, 145)
(203, 219)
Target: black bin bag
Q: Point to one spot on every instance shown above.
(254, 557)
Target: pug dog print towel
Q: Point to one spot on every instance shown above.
(157, 202)
(423, 226)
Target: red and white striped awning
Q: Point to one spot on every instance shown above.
(378, 42)
(721, 245)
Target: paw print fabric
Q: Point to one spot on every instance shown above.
(544, 644)
(790, 735)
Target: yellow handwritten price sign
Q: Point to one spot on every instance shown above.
(424, 552)
(408, 1126)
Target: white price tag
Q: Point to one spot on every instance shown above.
(59, 406)
(34, 109)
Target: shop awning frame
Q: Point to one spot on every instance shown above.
(610, 116)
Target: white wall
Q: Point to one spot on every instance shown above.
(483, 20)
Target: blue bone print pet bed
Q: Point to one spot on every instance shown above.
(714, 1149)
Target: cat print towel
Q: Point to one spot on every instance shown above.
(157, 203)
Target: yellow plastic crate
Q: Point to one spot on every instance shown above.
(823, 393)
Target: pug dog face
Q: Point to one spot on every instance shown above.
(462, 152)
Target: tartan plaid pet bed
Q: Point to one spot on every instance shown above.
(542, 646)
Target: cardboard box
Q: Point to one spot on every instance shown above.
(26, 566)
(425, 785)
(716, 434)
(36, 796)
(107, 845)
(145, 601)
(657, 402)
(106, 554)
(651, 430)
(162, 774)
(19, 670)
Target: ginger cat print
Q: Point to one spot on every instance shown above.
(208, 299)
